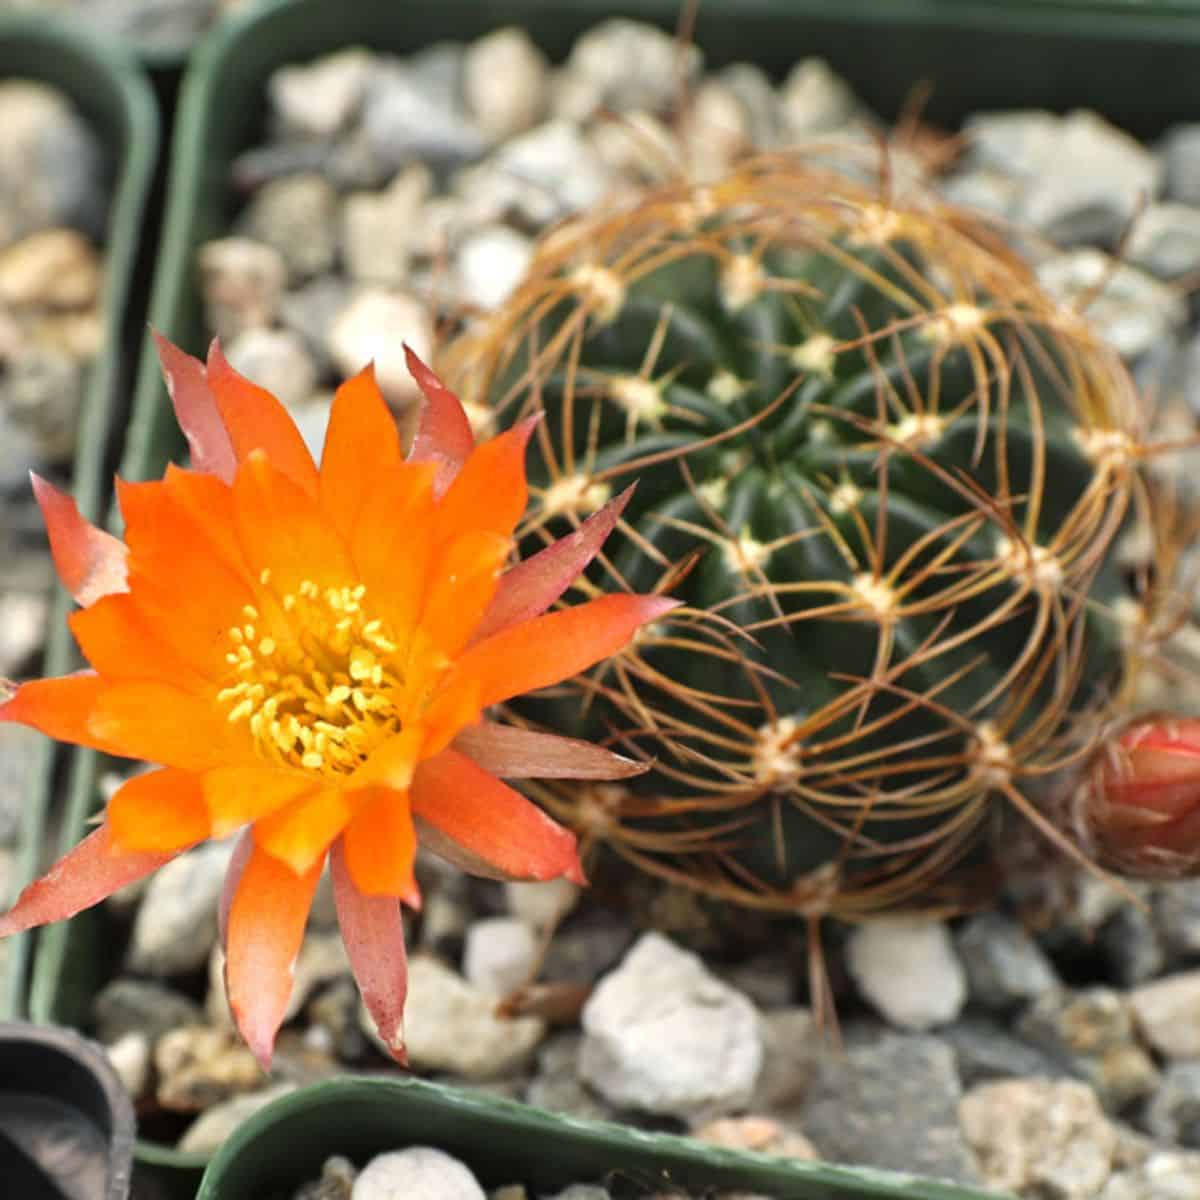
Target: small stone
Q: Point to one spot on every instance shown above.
(536, 178)
(761, 107)
(556, 1085)
(1092, 183)
(1164, 1175)
(51, 164)
(542, 905)
(888, 1101)
(906, 967)
(42, 394)
(1093, 1030)
(1181, 164)
(815, 100)
(1168, 1014)
(986, 1050)
(1005, 967)
(505, 82)
(451, 1026)
(1173, 1113)
(374, 326)
(1177, 906)
(403, 124)
(310, 310)
(55, 268)
(1040, 1137)
(500, 954)
(621, 66)
(334, 1011)
(206, 1133)
(277, 360)
(1165, 240)
(642, 149)
(296, 216)
(242, 283)
(1132, 311)
(664, 1035)
(792, 1048)
(1016, 143)
(126, 1006)
(321, 98)
(985, 190)
(490, 264)
(1132, 946)
(760, 1134)
(199, 1067)
(377, 227)
(176, 925)
(336, 1183)
(418, 1173)
(130, 1058)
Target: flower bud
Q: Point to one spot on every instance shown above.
(1138, 808)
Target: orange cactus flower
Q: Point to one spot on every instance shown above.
(1139, 806)
(308, 654)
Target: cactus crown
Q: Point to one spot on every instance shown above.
(884, 470)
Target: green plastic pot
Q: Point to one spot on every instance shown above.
(977, 53)
(285, 1143)
(112, 95)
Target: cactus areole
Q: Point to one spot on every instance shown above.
(884, 471)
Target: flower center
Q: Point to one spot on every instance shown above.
(318, 687)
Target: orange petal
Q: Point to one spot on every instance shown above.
(181, 576)
(257, 421)
(490, 491)
(514, 753)
(196, 410)
(452, 710)
(89, 561)
(299, 833)
(281, 527)
(158, 811)
(235, 796)
(119, 641)
(209, 503)
(501, 832)
(60, 708)
(373, 930)
(392, 550)
(444, 436)
(381, 846)
(361, 445)
(263, 936)
(83, 877)
(462, 582)
(551, 648)
(162, 724)
(531, 586)
(391, 764)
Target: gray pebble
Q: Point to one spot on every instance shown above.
(275, 359)
(318, 99)
(140, 1006)
(505, 82)
(242, 283)
(1005, 966)
(1173, 1112)
(889, 1102)
(296, 216)
(1181, 164)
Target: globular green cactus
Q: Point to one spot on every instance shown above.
(884, 471)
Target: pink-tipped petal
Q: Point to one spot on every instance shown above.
(482, 825)
(90, 562)
(196, 411)
(233, 876)
(444, 435)
(82, 877)
(373, 931)
(256, 420)
(263, 934)
(514, 753)
(531, 586)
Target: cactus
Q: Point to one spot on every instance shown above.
(886, 474)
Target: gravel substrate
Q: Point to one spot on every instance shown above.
(1059, 1060)
(54, 181)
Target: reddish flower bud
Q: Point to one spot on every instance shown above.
(1138, 809)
